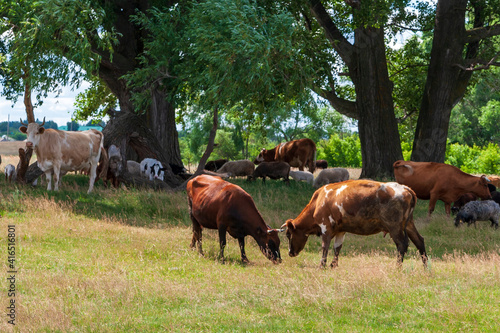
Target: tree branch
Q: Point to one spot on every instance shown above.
(343, 106)
(334, 35)
(477, 34)
(478, 64)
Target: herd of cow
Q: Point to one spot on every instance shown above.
(338, 206)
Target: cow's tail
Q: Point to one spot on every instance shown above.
(104, 160)
(399, 164)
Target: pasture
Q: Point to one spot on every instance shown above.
(119, 261)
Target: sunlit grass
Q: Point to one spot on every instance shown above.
(119, 260)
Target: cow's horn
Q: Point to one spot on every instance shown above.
(280, 230)
(43, 123)
(22, 122)
(283, 226)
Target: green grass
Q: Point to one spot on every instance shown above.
(119, 261)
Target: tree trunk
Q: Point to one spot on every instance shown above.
(130, 133)
(378, 130)
(374, 109)
(446, 83)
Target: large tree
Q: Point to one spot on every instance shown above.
(462, 44)
(100, 39)
(355, 79)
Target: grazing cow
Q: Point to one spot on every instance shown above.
(152, 169)
(273, 170)
(438, 181)
(329, 176)
(321, 164)
(215, 164)
(58, 152)
(362, 207)
(479, 211)
(302, 175)
(297, 153)
(10, 173)
(217, 204)
(237, 168)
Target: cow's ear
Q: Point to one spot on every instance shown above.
(41, 130)
(289, 224)
(23, 129)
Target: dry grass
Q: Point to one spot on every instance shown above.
(81, 273)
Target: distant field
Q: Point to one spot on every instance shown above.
(11, 147)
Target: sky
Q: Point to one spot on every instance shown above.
(59, 109)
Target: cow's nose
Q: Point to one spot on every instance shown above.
(29, 144)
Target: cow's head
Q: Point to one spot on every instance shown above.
(157, 172)
(272, 250)
(297, 239)
(260, 157)
(33, 131)
(482, 189)
(265, 155)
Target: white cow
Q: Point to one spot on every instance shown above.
(58, 152)
(152, 169)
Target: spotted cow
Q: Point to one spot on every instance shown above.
(362, 207)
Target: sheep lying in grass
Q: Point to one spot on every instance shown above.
(302, 175)
(333, 175)
(473, 211)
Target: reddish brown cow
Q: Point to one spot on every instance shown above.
(297, 153)
(362, 207)
(217, 204)
(438, 181)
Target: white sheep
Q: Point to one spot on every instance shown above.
(333, 175)
(10, 173)
(302, 175)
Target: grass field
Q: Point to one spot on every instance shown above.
(119, 261)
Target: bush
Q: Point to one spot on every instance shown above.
(345, 152)
(475, 160)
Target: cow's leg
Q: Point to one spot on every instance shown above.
(48, 175)
(241, 242)
(432, 205)
(222, 242)
(494, 222)
(93, 174)
(57, 175)
(401, 240)
(337, 245)
(418, 240)
(325, 245)
(447, 208)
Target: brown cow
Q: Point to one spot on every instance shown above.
(438, 181)
(217, 204)
(297, 153)
(362, 207)
(58, 152)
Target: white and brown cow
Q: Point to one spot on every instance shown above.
(58, 152)
(298, 153)
(361, 207)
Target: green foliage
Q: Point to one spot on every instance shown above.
(475, 159)
(95, 102)
(341, 152)
(475, 120)
(34, 34)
